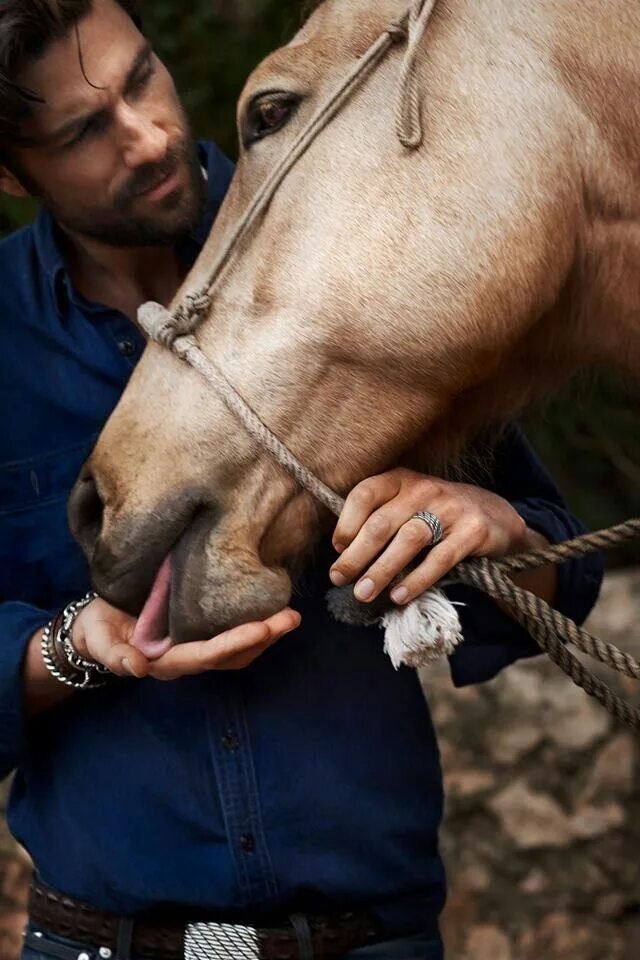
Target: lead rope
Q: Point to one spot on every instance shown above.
(429, 626)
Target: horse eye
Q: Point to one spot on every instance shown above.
(266, 115)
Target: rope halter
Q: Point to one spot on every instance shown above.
(174, 329)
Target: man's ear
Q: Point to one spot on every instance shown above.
(10, 184)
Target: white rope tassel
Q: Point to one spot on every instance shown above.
(425, 630)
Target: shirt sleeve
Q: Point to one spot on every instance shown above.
(492, 639)
(18, 623)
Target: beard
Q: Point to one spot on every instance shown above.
(174, 217)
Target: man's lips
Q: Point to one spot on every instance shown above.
(151, 633)
(162, 187)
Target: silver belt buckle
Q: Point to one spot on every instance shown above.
(210, 941)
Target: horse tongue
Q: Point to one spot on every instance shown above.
(150, 633)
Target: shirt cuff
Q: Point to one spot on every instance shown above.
(18, 623)
(579, 579)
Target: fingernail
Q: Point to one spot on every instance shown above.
(364, 589)
(339, 547)
(127, 666)
(337, 579)
(399, 595)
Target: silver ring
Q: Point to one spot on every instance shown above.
(432, 522)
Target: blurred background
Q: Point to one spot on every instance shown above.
(542, 835)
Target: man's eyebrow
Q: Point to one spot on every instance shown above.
(143, 54)
(69, 127)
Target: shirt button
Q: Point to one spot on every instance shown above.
(127, 348)
(230, 741)
(248, 842)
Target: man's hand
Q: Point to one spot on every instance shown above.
(103, 634)
(377, 539)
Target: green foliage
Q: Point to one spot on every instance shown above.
(589, 436)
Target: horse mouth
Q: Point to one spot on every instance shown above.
(151, 634)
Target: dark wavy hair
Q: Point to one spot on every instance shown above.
(27, 29)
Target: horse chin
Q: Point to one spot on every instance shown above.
(220, 590)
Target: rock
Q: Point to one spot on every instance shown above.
(488, 943)
(576, 721)
(467, 783)
(557, 937)
(535, 882)
(589, 822)
(610, 906)
(512, 743)
(523, 686)
(477, 877)
(531, 819)
(613, 771)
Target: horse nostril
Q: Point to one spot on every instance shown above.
(86, 510)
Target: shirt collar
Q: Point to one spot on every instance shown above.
(48, 241)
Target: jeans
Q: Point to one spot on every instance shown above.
(419, 947)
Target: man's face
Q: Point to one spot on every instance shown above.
(113, 157)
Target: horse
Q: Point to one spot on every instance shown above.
(392, 301)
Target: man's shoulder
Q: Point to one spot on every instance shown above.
(16, 244)
(17, 261)
(22, 290)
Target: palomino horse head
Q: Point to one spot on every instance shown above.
(391, 302)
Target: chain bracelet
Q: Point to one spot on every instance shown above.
(64, 636)
(60, 642)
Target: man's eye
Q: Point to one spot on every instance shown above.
(266, 115)
(143, 77)
(93, 126)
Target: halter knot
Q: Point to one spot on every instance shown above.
(397, 31)
(165, 326)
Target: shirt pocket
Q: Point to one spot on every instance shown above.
(40, 562)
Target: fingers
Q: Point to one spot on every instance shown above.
(413, 537)
(103, 634)
(105, 644)
(232, 650)
(376, 532)
(440, 560)
(474, 522)
(374, 514)
(361, 503)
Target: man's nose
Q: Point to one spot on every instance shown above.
(86, 511)
(144, 142)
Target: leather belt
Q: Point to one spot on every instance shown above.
(295, 938)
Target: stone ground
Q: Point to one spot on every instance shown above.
(542, 827)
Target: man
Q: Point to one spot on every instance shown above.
(291, 792)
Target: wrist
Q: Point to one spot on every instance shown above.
(530, 539)
(542, 581)
(41, 690)
(61, 657)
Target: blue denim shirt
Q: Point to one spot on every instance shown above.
(307, 780)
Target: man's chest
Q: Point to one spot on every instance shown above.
(60, 382)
